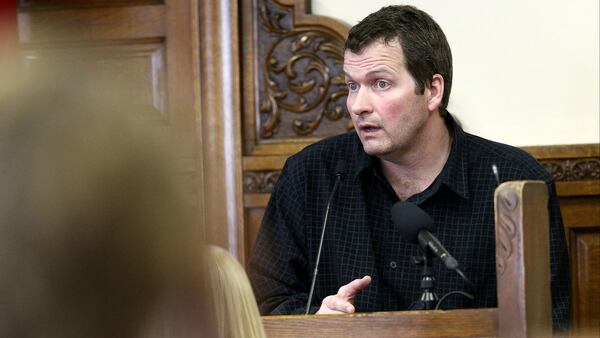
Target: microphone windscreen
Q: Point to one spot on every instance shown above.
(409, 219)
(340, 168)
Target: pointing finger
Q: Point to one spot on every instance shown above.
(350, 290)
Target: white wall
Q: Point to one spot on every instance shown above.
(525, 71)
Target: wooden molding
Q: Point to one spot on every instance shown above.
(219, 136)
(575, 168)
(522, 259)
(454, 323)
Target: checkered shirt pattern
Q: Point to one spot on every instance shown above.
(362, 240)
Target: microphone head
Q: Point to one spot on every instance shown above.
(410, 220)
(340, 169)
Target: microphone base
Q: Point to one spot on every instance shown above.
(429, 298)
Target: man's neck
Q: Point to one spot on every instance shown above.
(412, 171)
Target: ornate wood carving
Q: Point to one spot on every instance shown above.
(573, 169)
(508, 215)
(260, 181)
(522, 263)
(301, 87)
(587, 169)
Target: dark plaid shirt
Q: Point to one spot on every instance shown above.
(361, 239)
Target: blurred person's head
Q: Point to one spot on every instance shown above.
(93, 229)
(235, 308)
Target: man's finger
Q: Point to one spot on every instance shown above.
(350, 290)
(335, 304)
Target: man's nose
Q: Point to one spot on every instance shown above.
(360, 103)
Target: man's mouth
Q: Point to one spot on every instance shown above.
(369, 129)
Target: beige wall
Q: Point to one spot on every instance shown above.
(525, 72)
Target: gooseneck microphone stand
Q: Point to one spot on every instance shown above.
(429, 298)
(340, 172)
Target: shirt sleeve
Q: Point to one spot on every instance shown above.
(278, 267)
(560, 285)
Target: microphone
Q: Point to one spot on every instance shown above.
(416, 226)
(495, 172)
(340, 173)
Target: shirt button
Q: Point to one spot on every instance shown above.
(393, 265)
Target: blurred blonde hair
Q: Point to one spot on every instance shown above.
(235, 308)
(93, 229)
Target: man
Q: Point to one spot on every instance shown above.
(398, 69)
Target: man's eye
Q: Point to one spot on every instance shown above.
(352, 86)
(381, 84)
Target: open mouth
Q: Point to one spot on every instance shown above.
(368, 129)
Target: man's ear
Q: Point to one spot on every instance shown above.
(436, 92)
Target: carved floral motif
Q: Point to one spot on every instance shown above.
(260, 181)
(302, 80)
(573, 169)
(565, 170)
(508, 214)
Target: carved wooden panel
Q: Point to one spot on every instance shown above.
(260, 181)
(562, 170)
(301, 84)
(573, 169)
(293, 75)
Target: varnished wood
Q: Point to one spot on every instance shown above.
(143, 50)
(253, 216)
(523, 259)
(578, 188)
(256, 200)
(84, 25)
(220, 136)
(564, 151)
(114, 68)
(587, 282)
(30, 5)
(581, 212)
(454, 323)
(263, 162)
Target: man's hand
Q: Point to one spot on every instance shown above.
(343, 301)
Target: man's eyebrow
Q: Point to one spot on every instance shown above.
(375, 71)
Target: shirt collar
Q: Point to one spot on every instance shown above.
(453, 175)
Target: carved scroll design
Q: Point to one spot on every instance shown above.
(565, 170)
(573, 169)
(260, 181)
(302, 81)
(508, 215)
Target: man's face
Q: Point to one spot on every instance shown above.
(387, 114)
